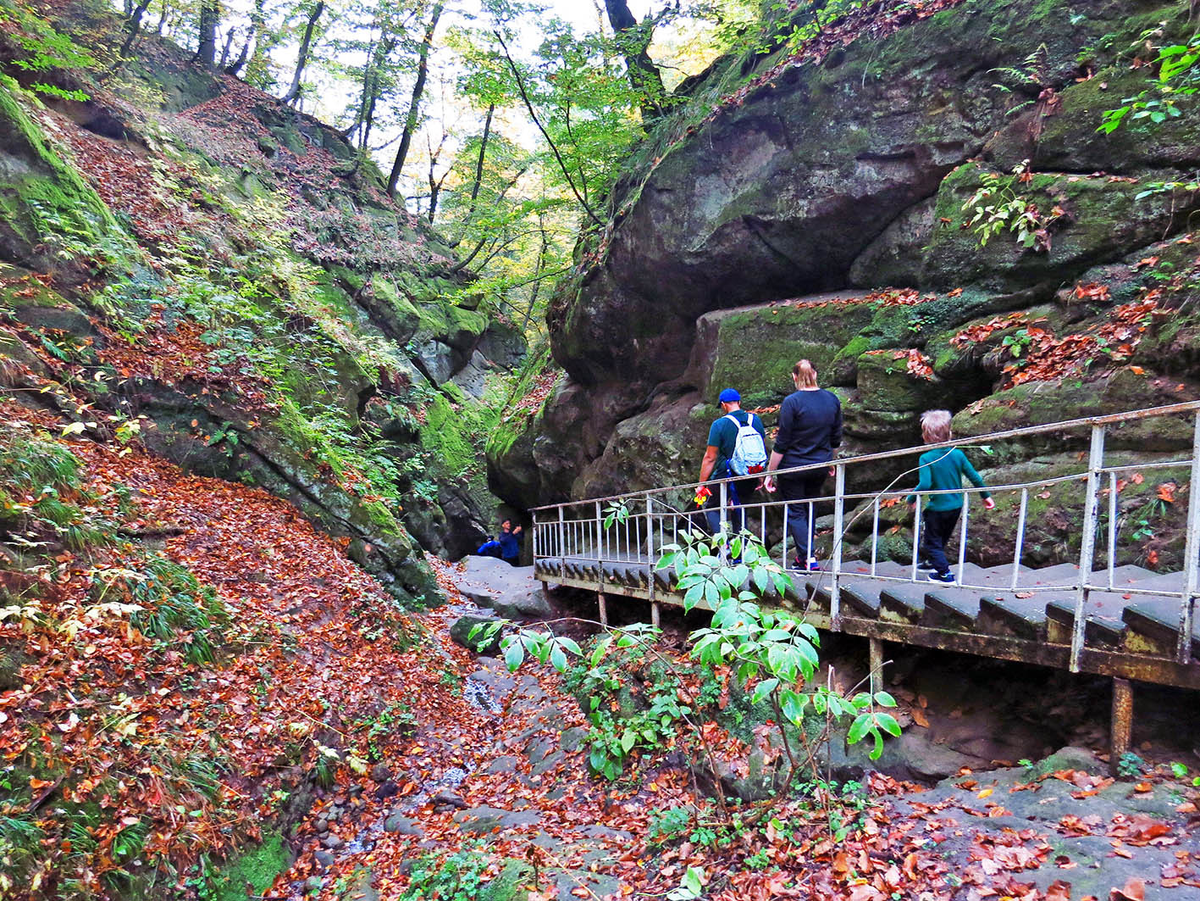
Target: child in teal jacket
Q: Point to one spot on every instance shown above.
(941, 470)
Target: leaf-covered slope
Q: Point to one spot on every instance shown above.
(273, 314)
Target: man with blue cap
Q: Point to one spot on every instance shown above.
(736, 447)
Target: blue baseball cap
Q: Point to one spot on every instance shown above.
(729, 396)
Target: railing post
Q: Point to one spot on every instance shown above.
(962, 536)
(874, 536)
(917, 534)
(839, 517)
(599, 549)
(1191, 551)
(1087, 550)
(724, 521)
(562, 543)
(650, 561)
(1016, 573)
(1112, 528)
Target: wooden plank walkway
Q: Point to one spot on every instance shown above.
(1129, 632)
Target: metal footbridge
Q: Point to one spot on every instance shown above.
(1086, 613)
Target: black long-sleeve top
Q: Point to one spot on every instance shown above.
(810, 427)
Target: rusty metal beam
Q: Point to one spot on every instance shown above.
(1122, 722)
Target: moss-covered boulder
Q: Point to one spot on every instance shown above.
(1085, 219)
(50, 220)
(1116, 391)
(754, 349)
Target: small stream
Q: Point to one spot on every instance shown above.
(480, 696)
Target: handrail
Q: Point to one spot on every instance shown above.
(647, 526)
(1062, 426)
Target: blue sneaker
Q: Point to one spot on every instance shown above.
(946, 578)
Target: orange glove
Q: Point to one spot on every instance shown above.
(702, 495)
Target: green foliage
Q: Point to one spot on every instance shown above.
(458, 877)
(42, 502)
(20, 845)
(165, 602)
(773, 649)
(396, 719)
(670, 824)
(691, 886)
(44, 50)
(998, 207)
(1130, 765)
(1178, 78)
(621, 723)
(616, 512)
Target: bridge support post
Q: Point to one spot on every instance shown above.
(603, 608)
(876, 663)
(655, 614)
(1122, 721)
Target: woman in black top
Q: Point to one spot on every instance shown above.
(810, 427)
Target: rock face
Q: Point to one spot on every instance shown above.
(848, 175)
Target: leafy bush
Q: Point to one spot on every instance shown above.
(165, 602)
(1178, 77)
(40, 493)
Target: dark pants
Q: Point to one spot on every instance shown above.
(937, 526)
(801, 487)
(738, 493)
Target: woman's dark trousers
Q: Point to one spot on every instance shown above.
(801, 487)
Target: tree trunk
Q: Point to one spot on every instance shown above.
(435, 189)
(243, 57)
(228, 46)
(206, 51)
(644, 75)
(253, 48)
(483, 142)
(162, 19)
(537, 273)
(478, 182)
(414, 106)
(305, 45)
(386, 45)
(135, 26)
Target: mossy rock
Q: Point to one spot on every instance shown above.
(513, 883)
(886, 385)
(252, 872)
(1101, 217)
(393, 310)
(897, 428)
(754, 349)
(47, 212)
(1038, 403)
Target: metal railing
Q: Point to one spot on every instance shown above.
(575, 532)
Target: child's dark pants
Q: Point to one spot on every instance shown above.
(936, 529)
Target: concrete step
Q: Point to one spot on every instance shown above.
(860, 592)
(948, 607)
(1102, 614)
(1154, 621)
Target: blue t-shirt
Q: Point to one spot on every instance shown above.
(510, 545)
(723, 436)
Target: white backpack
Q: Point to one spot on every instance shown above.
(749, 451)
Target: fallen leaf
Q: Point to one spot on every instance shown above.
(1134, 890)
